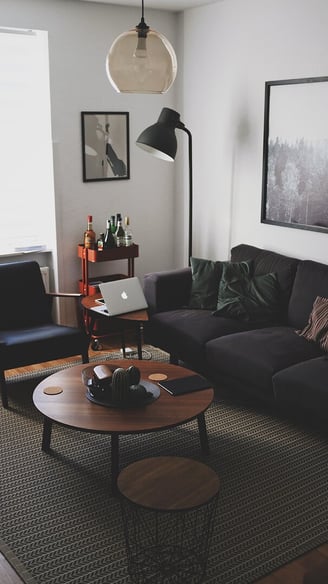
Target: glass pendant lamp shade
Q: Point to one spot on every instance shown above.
(141, 61)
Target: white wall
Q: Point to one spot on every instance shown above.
(80, 34)
(230, 49)
(226, 51)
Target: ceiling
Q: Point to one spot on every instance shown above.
(171, 5)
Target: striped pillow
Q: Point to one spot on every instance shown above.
(317, 328)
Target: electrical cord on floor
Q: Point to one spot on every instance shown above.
(146, 355)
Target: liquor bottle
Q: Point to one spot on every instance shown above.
(89, 235)
(119, 234)
(109, 240)
(113, 224)
(127, 233)
(100, 242)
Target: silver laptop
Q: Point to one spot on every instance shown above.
(122, 296)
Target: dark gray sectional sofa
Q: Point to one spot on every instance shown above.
(272, 362)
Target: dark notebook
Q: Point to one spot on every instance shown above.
(185, 384)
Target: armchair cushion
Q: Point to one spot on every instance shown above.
(23, 300)
(45, 342)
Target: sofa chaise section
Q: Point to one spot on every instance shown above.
(247, 361)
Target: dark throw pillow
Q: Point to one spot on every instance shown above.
(206, 276)
(250, 299)
(317, 328)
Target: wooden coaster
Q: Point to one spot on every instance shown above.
(53, 390)
(157, 376)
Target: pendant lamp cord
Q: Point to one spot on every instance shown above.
(142, 27)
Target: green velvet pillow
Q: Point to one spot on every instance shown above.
(250, 299)
(206, 276)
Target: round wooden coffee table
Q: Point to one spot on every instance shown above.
(66, 403)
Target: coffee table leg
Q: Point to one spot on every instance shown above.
(203, 434)
(139, 340)
(115, 462)
(46, 436)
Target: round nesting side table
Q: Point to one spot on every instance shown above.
(168, 507)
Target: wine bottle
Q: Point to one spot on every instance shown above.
(109, 240)
(89, 235)
(113, 224)
(127, 233)
(119, 234)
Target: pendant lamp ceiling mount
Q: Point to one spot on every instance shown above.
(141, 60)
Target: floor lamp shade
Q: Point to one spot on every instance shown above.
(160, 141)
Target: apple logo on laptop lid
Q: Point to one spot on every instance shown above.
(124, 295)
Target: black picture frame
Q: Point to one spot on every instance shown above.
(105, 146)
(295, 154)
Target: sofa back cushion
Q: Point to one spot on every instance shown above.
(311, 281)
(265, 262)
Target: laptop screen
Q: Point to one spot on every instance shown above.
(122, 296)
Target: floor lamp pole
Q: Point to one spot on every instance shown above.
(190, 192)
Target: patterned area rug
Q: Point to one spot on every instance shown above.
(59, 519)
(148, 352)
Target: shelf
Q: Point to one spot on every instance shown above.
(115, 253)
(93, 283)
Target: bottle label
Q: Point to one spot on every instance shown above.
(120, 241)
(89, 242)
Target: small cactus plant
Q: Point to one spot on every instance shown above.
(120, 385)
(134, 375)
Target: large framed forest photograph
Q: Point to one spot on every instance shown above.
(295, 154)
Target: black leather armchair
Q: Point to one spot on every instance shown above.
(28, 333)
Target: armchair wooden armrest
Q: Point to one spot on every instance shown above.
(78, 308)
(66, 294)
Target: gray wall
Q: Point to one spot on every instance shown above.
(80, 34)
(226, 51)
(244, 43)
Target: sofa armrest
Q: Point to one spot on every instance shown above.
(167, 290)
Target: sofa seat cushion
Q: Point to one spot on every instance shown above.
(184, 332)
(254, 357)
(304, 387)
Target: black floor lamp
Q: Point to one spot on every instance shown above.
(160, 140)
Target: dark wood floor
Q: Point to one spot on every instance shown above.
(292, 573)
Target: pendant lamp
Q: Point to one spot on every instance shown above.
(160, 140)
(141, 61)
